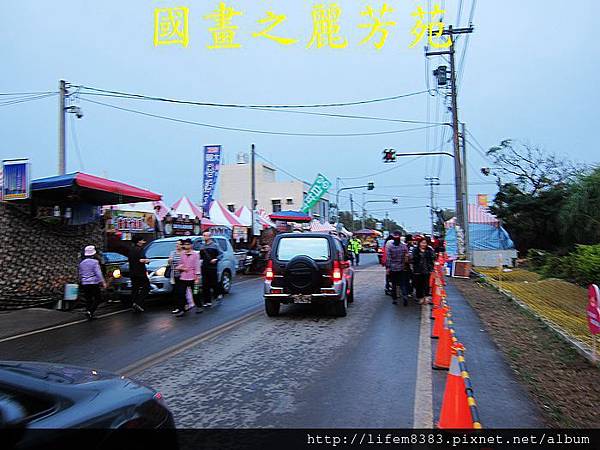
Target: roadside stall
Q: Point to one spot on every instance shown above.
(319, 227)
(285, 220)
(489, 243)
(184, 219)
(70, 207)
(129, 219)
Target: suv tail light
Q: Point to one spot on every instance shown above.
(337, 272)
(269, 271)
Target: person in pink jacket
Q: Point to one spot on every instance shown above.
(189, 270)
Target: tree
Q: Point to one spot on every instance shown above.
(580, 217)
(530, 201)
(530, 168)
(370, 222)
(532, 220)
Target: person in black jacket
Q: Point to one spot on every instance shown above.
(140, 285)
(422, 261)
(210, 254)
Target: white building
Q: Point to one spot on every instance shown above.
(271, 195)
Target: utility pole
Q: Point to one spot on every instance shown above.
(364, 212)
(351, 214)
(253, 183)
(337, 200)
(432, 181)
(62, 160)
(465, 190)
(458, 160)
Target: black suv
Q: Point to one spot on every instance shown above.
(308, 268)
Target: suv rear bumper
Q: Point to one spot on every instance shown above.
(304, 298)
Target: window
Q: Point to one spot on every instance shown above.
(276, 204)
(289, 201)
(315, 247)
(222, 243)
(231, 207)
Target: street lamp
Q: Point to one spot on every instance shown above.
(364, 209)
(369, 186)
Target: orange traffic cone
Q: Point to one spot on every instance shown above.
(439, 315)
(455, 413)
(444, 348)
(436, 295)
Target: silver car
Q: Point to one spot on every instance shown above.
(158, 252)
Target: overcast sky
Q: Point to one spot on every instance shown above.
(530, 73)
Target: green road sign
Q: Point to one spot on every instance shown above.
(318, 189)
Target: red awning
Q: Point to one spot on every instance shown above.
(116, 187)
(87, 188)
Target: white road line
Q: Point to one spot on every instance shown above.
(423, 410)
(167, 353)
(77, 322)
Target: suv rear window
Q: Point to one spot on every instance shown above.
(314, 247)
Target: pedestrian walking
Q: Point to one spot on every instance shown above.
(140, 285)
(388, 285)
(422, 261)
(210, 254)
(189, 272)
(397, 258)
(354, 246)
(174, 261)
(410, 243)
(91, 280)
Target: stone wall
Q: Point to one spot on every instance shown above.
(38, 258)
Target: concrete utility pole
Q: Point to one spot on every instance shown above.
(461, 211)
(253, 183)
(432, 181)
(62, 159)
(351, 214)
(364, 212)
(465, 190)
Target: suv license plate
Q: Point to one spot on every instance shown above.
(302, 299)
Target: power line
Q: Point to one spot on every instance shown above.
(247, 130)
(27, 93)
(383, 171)
(234, 105)
(279, 168)
(26, 99)
(287, 111)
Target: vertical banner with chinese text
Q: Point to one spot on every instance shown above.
(316, 191)
(212, 163)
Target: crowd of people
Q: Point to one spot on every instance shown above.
(186, 267)
(409, 262)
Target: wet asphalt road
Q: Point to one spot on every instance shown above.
(119, 341)
(302, 369)
(115, 342)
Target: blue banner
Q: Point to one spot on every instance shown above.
(212, 163)
(15, 179)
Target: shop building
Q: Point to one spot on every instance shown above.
(272, 195)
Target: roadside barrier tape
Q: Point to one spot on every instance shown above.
(460, 350)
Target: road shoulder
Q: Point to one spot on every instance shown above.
(563, 384)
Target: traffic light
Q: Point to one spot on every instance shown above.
(389, 155)
(370, 186)
(394, 201)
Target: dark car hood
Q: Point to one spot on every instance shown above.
(152, 266)
(57, 373)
